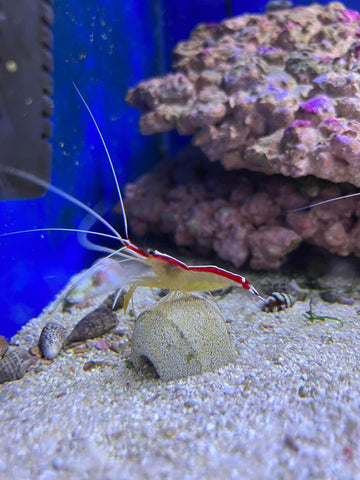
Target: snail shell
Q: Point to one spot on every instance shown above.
(3, 346)
(51, 340)
(14, 364)
(95, 324)
(278, 301)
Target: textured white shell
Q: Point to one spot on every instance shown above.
(51, 340)
(181, 336)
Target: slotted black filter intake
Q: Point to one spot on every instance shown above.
(26, 85)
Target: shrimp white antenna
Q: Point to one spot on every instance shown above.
(85, 228)
(60, 229)
(61, 193)
(343, 197)
(109, 159)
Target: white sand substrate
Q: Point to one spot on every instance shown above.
(287, 408)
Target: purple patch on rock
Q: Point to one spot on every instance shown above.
(325, 43)
(300, 124)
(268, 51)
(357, 51)
(333, 121)
(315, 105)
(348, 15)
(279, 93)
(343, 139)
(321, 78)
(324, 59)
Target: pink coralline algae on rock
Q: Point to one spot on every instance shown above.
(241, 216)
(273, 93)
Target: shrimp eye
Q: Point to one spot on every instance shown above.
(150, 251)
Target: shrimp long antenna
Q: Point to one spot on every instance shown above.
(85, 243)
(61, 193)
(59, 229)
(343, 197)
(109, 159)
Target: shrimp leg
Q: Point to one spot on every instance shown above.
(150, 281)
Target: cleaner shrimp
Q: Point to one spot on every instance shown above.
(164, 271)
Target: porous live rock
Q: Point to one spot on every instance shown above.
(274, 93)
(181, 336)
(241, 216)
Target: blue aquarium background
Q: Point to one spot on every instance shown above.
(105, 47)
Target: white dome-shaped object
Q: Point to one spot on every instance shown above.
(181, 336)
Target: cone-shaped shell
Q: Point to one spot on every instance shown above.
(95, 324)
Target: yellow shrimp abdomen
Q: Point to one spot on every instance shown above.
(174, 277)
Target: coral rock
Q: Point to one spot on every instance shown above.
(275, 93)
(270, 244)
(242, 216)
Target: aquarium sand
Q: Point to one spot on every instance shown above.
(288, 407)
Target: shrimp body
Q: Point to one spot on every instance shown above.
(172, 274)
(176, 275)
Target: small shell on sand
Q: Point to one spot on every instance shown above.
(51, 340)
(14, 364)
(95, 324)
(278, 301)
(3, 346)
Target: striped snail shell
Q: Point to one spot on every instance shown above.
(278, 301)
(14, 364)
(3, 346)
